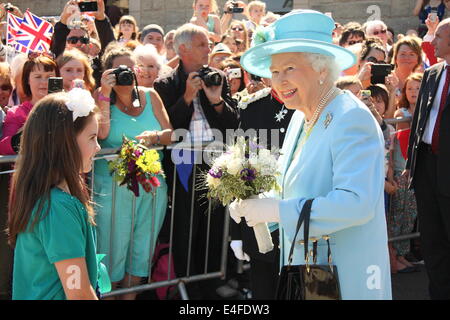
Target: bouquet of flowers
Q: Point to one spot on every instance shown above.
(245, 171)
(135, 165)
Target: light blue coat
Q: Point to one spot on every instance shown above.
(340, 166)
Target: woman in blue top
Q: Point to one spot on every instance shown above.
(332, 153)
(50, 218)
(128, 226)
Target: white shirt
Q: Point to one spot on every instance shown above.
(429, 128)
(199, 128)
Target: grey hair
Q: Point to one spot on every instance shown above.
(185, 34)
(371, 24)
(320, 62)
(148, 50)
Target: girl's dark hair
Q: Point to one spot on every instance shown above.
(30, 65)
(404, 103)
(368, 45)
(379, 90)
(48, 155)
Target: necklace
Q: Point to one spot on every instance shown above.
(309, 125)
(322, 103)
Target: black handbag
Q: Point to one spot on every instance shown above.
(309, 281)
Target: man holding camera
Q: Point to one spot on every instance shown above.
(197, 99)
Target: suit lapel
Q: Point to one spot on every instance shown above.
(436, 75)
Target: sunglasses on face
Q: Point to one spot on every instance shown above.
(237, 29)
(352, 42)
(374, 60)
(6, 87)
(34, 55)
(382, 31)
(74, 40)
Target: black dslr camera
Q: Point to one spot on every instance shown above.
(210, 77)
(124, 76)
(235, 8)
(380, 71)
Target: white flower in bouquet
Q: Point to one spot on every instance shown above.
(234, 166)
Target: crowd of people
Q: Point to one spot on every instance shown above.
(168, 93)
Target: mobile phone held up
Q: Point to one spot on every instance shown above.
(379, 72)
(55, 84)
(433, 15)
(88, 6)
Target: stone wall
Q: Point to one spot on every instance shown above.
(172, 13)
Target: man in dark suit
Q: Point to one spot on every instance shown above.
(202, 111)
(428, 165)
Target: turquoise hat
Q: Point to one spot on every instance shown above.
(297, 31)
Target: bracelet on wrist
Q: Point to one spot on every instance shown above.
(101, 97)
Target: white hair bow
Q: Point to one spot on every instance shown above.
(80, 102)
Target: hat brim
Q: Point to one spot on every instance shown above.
(257, 60)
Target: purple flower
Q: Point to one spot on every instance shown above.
(248, 174)
(131, 166)
(138, 153)
(215, 172)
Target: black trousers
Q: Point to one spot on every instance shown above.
(434, 223)
(264, 276)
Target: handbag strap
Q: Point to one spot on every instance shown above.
(306, 211)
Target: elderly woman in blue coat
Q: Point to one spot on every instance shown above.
(333, 153)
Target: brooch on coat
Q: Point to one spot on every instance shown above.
(328, 119)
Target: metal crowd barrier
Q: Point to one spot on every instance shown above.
(111, 154)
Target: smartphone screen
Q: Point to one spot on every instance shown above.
(55, 84)
(88, 6)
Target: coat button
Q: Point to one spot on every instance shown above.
(282, 130)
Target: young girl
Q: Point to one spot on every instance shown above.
(50, 218)
(204, 17)
(404, 208)
(127, 29)
(74, 65)
(256, 10)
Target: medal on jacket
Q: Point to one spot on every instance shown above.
(281, 114)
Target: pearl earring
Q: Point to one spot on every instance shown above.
(321, 82)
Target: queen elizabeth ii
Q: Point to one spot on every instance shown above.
(333, 153)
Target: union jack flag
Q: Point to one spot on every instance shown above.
(14, 23)
(35, 33)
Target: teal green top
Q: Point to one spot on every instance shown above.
(130, 126)
(210, 23)
(64, 233)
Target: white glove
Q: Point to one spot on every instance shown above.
(236, 245)
(255, 210)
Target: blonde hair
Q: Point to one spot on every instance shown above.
(213, 8)
(256, 4)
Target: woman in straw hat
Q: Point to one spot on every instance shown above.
(333, 153)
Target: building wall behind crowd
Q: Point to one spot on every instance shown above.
(172, 13)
